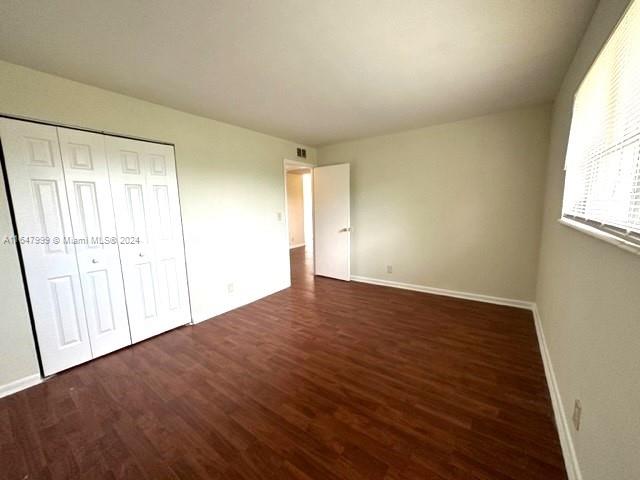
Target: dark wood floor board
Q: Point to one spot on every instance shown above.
(326, 380)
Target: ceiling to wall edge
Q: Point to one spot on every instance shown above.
(315, 147)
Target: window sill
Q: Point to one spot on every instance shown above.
(599, 234)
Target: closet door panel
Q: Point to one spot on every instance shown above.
(36, 182)
(147, 209)
(93, 223)
(166, 228)
(128, 188)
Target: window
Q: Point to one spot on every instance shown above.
(602, 183)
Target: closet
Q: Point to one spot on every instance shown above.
(100, 233)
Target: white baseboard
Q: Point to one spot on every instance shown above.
(297, 245)
(562, 424)
(448, 293)
(21, 384)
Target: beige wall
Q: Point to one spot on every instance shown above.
(17, 349)
(455, 206)
(589, 303)
(295, 209)
(231, 186)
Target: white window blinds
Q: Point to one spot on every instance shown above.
(602, 183)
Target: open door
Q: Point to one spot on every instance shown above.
(332, 221)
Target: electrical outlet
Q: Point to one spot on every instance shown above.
(279, 216)
(389, 268)
(577, 414)
(230, 287)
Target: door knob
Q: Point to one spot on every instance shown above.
(141, 254)
(345, 229)
(93, 260)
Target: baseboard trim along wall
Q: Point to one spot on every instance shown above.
(20, 384)
(510, 302)
(562, 424)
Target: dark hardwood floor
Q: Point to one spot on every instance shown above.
(326, 380)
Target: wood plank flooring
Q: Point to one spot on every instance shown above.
(325, 380)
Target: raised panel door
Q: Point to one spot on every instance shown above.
(37, 187)
(96, 241)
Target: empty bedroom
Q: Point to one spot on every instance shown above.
(320, 240)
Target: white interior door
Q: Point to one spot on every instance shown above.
(145, 196)
(332, 221)
(36, 181)
(92, 219)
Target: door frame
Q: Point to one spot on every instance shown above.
(287, 165)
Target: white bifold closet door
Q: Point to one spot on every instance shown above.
(98, 220)
(36, 180)
(145, 197)
(94, 230)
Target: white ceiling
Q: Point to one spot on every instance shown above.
(314, 71)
